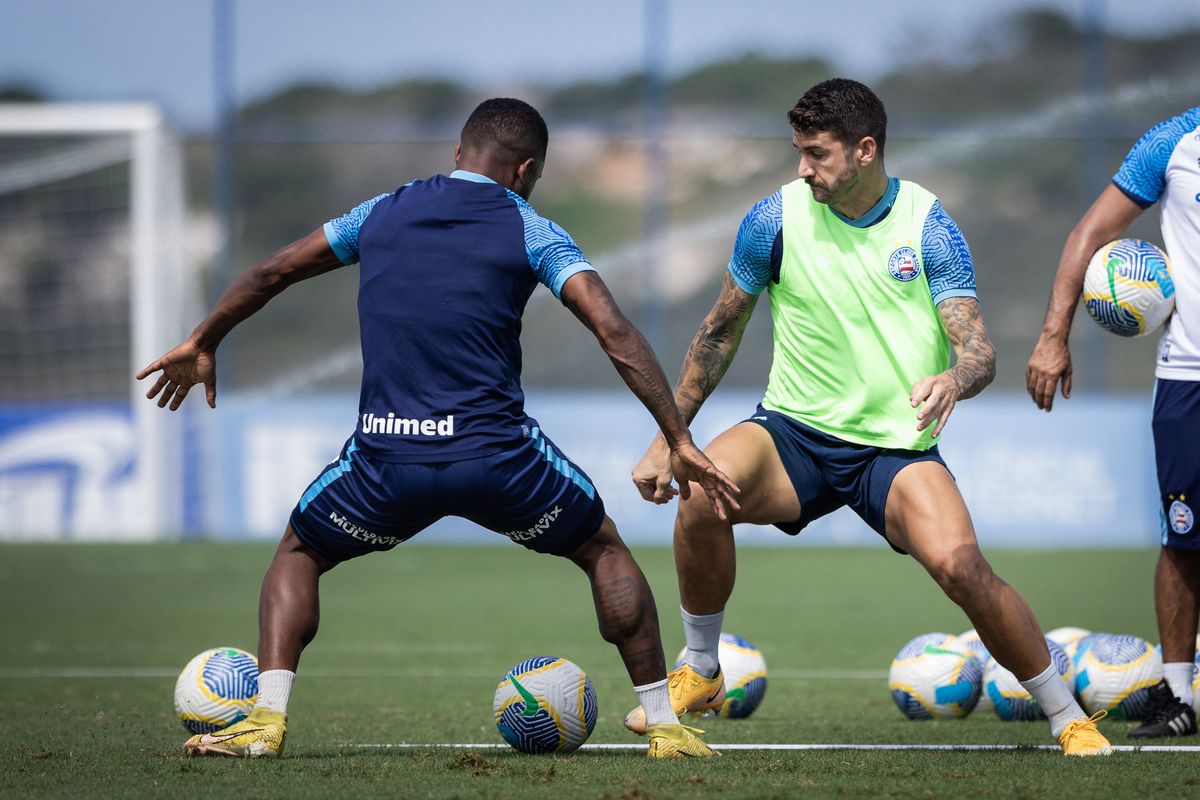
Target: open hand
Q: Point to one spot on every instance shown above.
(182, 367)
(939, 393)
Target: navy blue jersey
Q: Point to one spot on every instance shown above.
(446, 267)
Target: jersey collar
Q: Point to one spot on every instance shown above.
(878, 211)
(474, 177)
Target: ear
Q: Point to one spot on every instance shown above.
(866, 150)
(527, 170)
(457, 153)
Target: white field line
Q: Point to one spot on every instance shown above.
(1120, 748)
(440, 674)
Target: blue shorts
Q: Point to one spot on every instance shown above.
(1176, 425)
(531, 493)
(828, 473)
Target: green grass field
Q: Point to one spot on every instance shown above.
(414, 642)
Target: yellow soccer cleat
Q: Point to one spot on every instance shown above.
(259, 735)
(689, 690)
(677, 741)
(1083, 738)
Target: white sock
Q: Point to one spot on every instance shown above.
(656, 702)
(703, 634)
(275, 689)
(1055, 699)
(1179, 678)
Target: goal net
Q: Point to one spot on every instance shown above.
(92, 286)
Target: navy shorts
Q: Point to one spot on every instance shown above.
(531, 493)
(1176, 425)
(828, 473)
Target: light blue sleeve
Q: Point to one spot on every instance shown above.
(342, 232)
(947, 257)
(1143, 173)
(750, 264)
(553, 254)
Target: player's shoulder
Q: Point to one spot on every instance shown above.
(764, 217)
(539, 230)
(1156, 145)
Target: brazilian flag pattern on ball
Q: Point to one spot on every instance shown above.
(545, 704)
(217, 688)
(934, 676)
(1114, 672)
(1127, 287)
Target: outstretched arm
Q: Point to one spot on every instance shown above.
(590, 300)
(194, 360)
(709, 356)
(973, 370)
(1050, 362)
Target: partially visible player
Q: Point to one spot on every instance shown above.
(871, 283)
(1163, 167)
(446, 266)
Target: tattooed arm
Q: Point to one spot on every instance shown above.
(974, 368)
(713, 348)
(590, 300)
(710, 354)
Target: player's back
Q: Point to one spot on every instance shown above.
(444, 281)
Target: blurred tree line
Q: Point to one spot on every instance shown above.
(1017, 141)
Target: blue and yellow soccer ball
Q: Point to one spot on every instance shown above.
(1127, 288)
(217, 688)
(934, 676)
(1114, 672)
(1009, 698)
(545, 704)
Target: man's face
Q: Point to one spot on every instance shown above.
(826, 165)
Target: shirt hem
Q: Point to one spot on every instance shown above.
(1178, 373)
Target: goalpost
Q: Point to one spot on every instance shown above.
(92, 287)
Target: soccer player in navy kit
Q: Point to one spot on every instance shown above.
(446, 266)
(1163, 167)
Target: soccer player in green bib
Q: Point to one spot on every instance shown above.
(871, 285)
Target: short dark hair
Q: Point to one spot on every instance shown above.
(844, 108)
(509, 124)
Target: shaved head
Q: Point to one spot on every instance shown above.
(506, 128)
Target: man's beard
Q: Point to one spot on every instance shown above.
(836, 193)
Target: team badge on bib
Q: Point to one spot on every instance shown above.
(903, 264)
(1180, 517)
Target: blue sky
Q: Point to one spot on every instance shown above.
(162, 50)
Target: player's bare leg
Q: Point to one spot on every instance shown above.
(289, 608)
(705, 558)
(926, 517)
(1177, 602)
(624, 603)
(288, 614)
(629, 620)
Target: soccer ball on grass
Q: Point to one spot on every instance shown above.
(1115, 673)
(935, 677)
(545, 704)
(217, 688)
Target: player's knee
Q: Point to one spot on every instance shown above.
(696, 513)
(961, 574)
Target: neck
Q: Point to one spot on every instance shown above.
(503, 174)
(866, 193)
